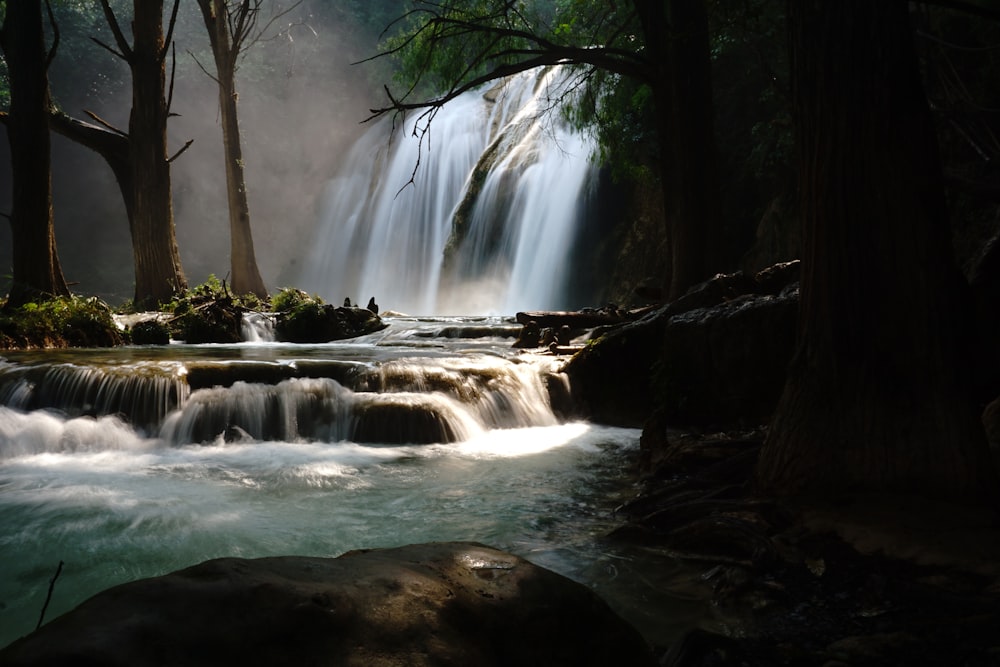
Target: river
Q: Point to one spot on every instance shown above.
(136, 461)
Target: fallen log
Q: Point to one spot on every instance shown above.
(580, 319)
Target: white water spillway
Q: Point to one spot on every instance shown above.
(499, 189)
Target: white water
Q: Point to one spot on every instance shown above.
(378, 235)
(116, 503)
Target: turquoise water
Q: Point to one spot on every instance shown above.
(116, 503)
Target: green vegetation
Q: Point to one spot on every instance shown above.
(62, 322)
(302, 318)
(210, 313)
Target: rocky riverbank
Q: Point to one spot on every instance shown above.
(874, 580)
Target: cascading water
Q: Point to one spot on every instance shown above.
(498, 190)
(133, 462)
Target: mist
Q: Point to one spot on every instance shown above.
(301, 105)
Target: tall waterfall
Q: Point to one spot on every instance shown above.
(499, 188)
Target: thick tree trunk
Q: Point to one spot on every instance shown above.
(245, 276)
(36, 271)
(676, 36)
(158, 272)
(879, 395)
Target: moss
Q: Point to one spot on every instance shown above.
(305, 319)
(150, 332)
(60, 322)
(209, 313)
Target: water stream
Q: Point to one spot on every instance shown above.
(133, 462)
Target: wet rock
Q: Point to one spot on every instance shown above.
(430, 604)
(314, 322)
(401, 423)
(612, 377)
(150, 332)
(530, 336)
(725, 365)
(716, 356)
(217, 320)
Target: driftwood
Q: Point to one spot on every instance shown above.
(580, 319)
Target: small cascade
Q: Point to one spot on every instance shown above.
(481, 217)
(401, 389)
(142, 394)
(397, 402)
(257, 327)
(313, 409)
(496, 393)
(27, 434)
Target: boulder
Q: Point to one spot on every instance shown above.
(428, 604)
(715, 356)
(315, 322)
(726, 365)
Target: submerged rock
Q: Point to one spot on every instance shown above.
(428, 604)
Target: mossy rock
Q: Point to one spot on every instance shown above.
(219, 321)
(315, 322)
(150, 332)
(59, 322)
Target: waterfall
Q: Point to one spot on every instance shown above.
(499, 187)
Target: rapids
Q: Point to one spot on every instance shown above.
(133, 462)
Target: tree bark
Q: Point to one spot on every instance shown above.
(677, 39)
(158, 272)
(36, 271)
(879, 395)
(245, 276)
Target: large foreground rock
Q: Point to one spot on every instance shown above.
(428, 604)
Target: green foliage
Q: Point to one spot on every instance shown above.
(150, 332)
(306, 319)
(212, 289)
(445, 45)
(290, 298)
(61, 322)
(620, 113)
(209, 313)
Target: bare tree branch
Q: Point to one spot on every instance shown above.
(202, 67)
(169, 37)
(173, 72)
(124, 50)
(105, 123)
(181, 151)
(117, 54)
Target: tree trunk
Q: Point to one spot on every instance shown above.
(677, 40)
(245, 276)
(878, 396)
(36, 269)
(158, 272)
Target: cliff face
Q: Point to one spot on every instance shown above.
(623, 244)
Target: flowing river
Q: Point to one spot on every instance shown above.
(133, 462)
